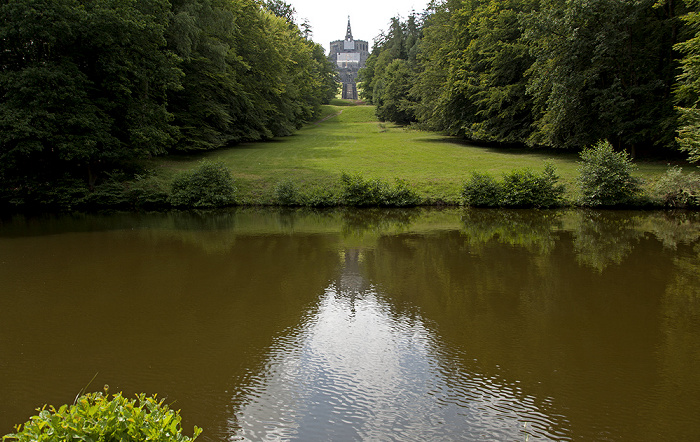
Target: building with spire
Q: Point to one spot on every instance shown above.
(349, 55)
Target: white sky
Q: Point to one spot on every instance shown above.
(329, 19)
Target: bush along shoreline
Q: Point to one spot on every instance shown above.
(605, 181)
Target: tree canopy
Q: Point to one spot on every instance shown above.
(89, 85)
(554, 73)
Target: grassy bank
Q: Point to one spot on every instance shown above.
(350, 139)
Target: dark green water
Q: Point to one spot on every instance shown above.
(363, 325)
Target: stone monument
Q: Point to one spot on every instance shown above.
(349, 55)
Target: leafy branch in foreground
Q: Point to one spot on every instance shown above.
(95, 417)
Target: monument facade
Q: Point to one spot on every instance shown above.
(349, 55)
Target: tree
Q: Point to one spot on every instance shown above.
(602, 71)
(83, 86)
(281, 9)
(495, 59)
(393, 102)
(202, 34)
(688, 88)
(473, 62)
(249, 72)
(431, 87)
(389, 74)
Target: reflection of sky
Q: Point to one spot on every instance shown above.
(354, 370)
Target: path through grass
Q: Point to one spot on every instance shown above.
(350, 139)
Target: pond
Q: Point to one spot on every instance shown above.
(406, 325)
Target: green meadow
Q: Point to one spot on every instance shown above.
(350, 139)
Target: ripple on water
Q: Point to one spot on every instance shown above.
(357, 371)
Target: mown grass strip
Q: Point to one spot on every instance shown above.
(350, 139)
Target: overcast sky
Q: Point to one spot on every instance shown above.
(329, 19)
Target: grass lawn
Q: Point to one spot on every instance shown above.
(350, 139)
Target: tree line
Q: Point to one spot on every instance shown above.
(552, 73)
(89, 86)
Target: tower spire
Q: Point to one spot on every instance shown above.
(348, 34)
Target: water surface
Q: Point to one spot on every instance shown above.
(363, 325)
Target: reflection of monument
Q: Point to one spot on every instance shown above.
(349, 55)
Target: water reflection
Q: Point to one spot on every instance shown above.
(358, 369)
(600, 238)
(339, 324)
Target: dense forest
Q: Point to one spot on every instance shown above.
(552, 73)
(89, 86)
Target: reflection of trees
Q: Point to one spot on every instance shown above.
(672, 228)
(540, 319)
(515, 305)
(533, 229)
(357, 222)
(602, 238)
(680, 349)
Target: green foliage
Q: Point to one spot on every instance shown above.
(525, 188)
(249, 72)
(60, 194)
(394, 103)
(287, 193)
(602, 71)
(606, 177)
(119, 192)
(96, 417)
(281, 9)
(89, 85)
(389, 74)
(147, 192)
(360, 192)
(401, 195)
(689, 132)
(677, 190)
(209, 185)
(473, 83)
(83, 86)
(319, 197)
(482, 190)
(688, 89)
(544, 73)
(518, 188)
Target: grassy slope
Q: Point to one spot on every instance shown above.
(350, 139)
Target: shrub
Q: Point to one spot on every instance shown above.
(319, 197)
(117, 191)
(109, 193)
(525, 188)
(678, 190)
(147, 192)
(606, 177)
(95, 417)
(482, 190)
(359, 192)
(209, 185)
(519, 188)
(287, 193)
(401, 195)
